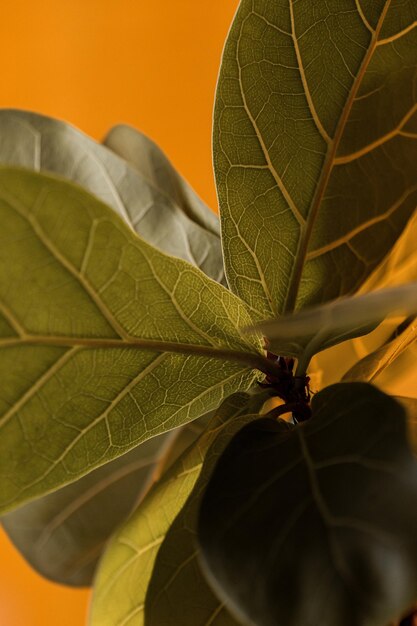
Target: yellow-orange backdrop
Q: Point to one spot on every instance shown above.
(96, 63)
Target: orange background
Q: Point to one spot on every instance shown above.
(95, 63)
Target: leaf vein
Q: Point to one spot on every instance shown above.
(345, 239)
(280, 184)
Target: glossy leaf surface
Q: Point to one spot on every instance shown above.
(315, 144)
(105, 341)
(129, 562)
(316, 524)
(48, 145)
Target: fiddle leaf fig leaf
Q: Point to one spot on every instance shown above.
(63, 534)
(315, 133)
(129, 561)
(320, 327)
(178, 592)
(143, 154)
(159, 215)
(316, 523)
(105, 341)
(372, 365)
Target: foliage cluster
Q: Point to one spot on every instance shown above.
(189, 418)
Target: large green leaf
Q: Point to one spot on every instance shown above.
(128, 564)
(157, 214)
(178, 592)
(314, 145)
(104, 340)
(141, 152)
(316, 524)
(63, 534)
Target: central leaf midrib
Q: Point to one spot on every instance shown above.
(135, 343)
(306, 231)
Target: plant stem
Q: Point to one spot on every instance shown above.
(250, 359)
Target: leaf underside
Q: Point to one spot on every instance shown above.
(163, 219)
(144, 155)
(90, 318)
(63, 534)
(315, 134)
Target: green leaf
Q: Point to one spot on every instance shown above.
(316, 524)
(320, 327)
(177, 591)
(315, 133)
(63, 534)
(372, 365)
(129, 562)
(44, 144)
(143, 154)
(105, 341)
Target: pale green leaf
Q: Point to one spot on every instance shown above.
(128, 563)
(316, 328)
(105, 341)
(315, 146)
(45, 144)
(143, 153)
(63, 534)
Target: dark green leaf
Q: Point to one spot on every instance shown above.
(315, 146)
(316, 524)
(44, 144)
